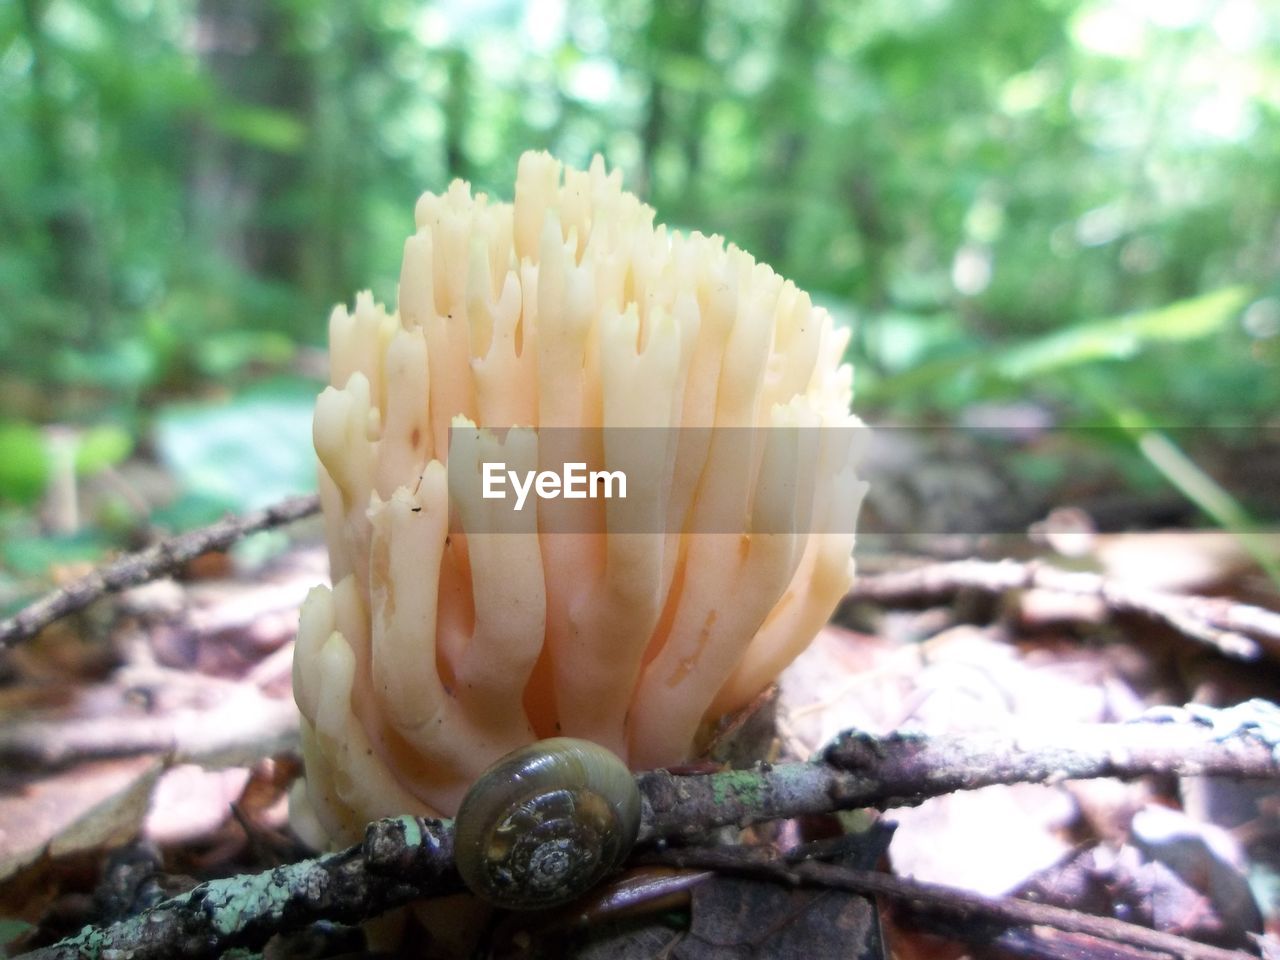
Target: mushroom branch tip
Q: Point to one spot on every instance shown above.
(533, 334)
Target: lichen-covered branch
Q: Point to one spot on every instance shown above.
(1237, 630)
(155, 561)
(400, 860)
(903, 768)
(407, 858)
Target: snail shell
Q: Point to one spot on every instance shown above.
(545, 823)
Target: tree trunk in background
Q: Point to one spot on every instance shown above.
(241, 190)
(789, 99)
(675, 30)
(345, 164)
(457, 108)
(868, 215)
(77, 268)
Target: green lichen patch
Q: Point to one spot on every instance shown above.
(234, 902)
(736, 786)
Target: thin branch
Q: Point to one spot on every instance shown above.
(155, 561)
(953, 903)
(408, 858)
(904, 769)
(1235, 629)
(246, 911)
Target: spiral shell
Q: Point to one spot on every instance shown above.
(545, 823)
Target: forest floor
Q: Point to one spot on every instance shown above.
(149, 742)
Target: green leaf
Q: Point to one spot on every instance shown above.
(102, 447)
(124, 364)
(24, 463)
(262, 127)
(34, 554)
(1116, 338)
(247, 453)
(223, 354)
(1119, 338)
(1186, 476)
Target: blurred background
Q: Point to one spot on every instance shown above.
(1032, 213)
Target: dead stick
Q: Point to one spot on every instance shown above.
(156, 560)
(407, 857)
(1233, 628)
(936, 898)
(903, 768)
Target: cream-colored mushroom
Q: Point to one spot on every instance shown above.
(456, 630)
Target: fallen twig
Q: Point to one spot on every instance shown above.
(246, 911)
(148, 564)
(936, 898)
(407, 858)
(1233, 628)
(903, 769)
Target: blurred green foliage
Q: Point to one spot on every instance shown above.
(1075, 203)
(244, 454)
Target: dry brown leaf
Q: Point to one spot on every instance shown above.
(88, 806)
(1184, 561)
(190, 802)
